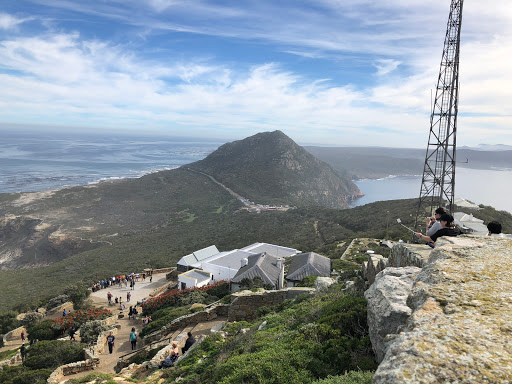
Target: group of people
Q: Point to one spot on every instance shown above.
(174, 355)
(146, 321)
(442, 224)
(129, 278)
(111, 340)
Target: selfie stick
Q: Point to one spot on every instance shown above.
(400, 222)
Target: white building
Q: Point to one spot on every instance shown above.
(225, 265)
(186, 262)
(194, 278)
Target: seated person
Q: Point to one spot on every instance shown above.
(171, 359)
(190, 340)
(433, 223)
(494, 229)
(448, 229)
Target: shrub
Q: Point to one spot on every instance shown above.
(80, 317)
(90, 331)
(23, 375)
(31, 318)
(42, 331)
(178, 297)
(56, 301)
(163, 317)
(8, 322)
(78, 294)
(351, 377)
(308, 281)
(53, 353)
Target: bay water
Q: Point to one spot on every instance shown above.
(480, 186)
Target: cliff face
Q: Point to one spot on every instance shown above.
(270, 168)
(460, 323)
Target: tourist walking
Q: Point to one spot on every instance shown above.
(23, 352)
(128, 296)
(110, 341)
(22, 336)
(133, 338)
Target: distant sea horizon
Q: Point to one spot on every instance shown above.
(40, 161)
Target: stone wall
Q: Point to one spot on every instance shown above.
(12, 361)
(69, 369)
(91, 355)
(210, 313)
(68, 306)
(245, 304)
(14, 334)
(460, 302)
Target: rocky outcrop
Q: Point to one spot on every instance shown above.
(387, 308)
(459, 330)
(323, 283)
(403, 255)
(245, 304)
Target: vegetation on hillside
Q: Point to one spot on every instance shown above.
(300, 341)
(317, 229)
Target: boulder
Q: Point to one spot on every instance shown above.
(387, 308)
(322, 283)
(460, 327)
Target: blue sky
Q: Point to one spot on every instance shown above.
(335, 72)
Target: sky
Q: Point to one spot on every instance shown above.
(328, 72)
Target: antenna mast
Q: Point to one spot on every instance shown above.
(438, 181)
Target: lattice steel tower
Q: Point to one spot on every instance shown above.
(438, 181)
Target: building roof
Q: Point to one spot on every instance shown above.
(197, 274)
(262, 265)
(463, 203)
(308, 264)
(231, 259)
(464, 217)
(199, 255)
(271, 249)
(470, 223)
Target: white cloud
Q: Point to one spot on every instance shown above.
(385, 66)
(10, 22)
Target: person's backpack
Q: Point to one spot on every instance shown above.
(133, 336)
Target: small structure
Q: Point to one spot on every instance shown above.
(463, 203)
(470, 224)
(269, 268)
(307, 264)
(270, 249)
(195, 278)
(186, 262)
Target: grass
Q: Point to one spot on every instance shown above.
(6, 355)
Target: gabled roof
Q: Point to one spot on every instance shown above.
(230, 259)
(308, 264)
(464, 217)
(271, 249)
(262, 265)
(197, 274)
(199, 255)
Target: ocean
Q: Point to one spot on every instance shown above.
(488, 187)
(39, 161)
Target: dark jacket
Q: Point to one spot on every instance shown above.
(188, 344)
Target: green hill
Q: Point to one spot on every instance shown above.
(269, 168)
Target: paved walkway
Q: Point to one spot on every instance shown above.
(143, 289)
